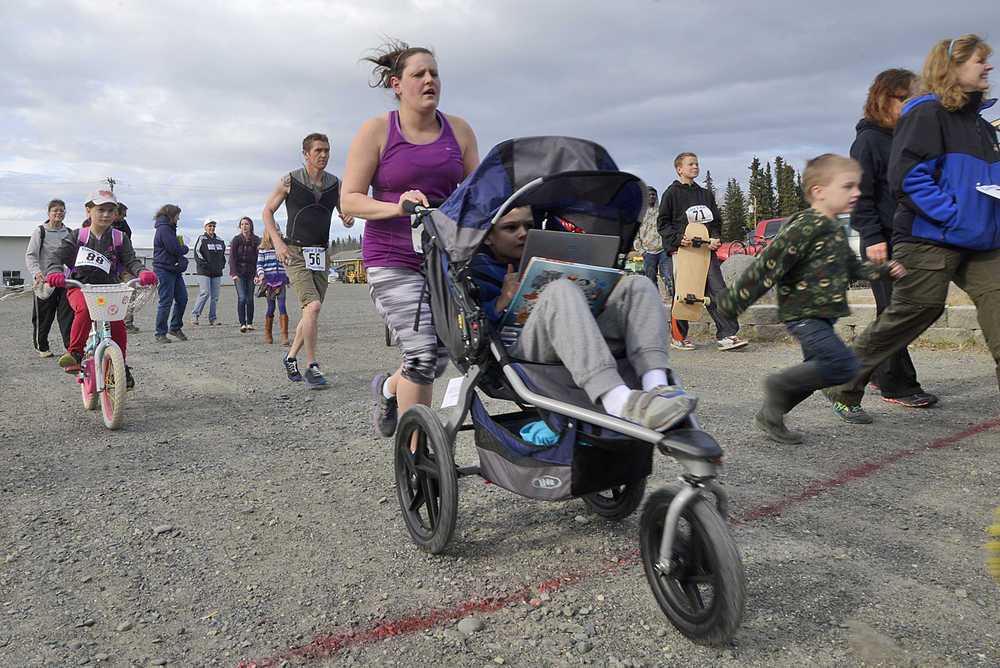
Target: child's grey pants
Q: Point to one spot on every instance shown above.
(561, 328)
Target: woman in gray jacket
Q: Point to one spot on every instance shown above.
(49, 303)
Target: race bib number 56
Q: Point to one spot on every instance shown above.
(315, 258)
(699, 214)
(87, 257)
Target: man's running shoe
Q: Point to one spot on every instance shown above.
(681, 345)
(314, 377)
(731, 343)
(851, 414)
(386, 410)
(161, 338)
(181, 336)
(291, 369)
(129, 380)
(70, 361)
(916, 400)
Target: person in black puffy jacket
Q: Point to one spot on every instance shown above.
(872, 218)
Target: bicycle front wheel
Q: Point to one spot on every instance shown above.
(112, 368)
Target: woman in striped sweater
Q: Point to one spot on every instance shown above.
(272, 281)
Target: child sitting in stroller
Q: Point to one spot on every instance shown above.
(562, 329)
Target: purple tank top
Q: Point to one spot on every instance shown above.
(434, 169)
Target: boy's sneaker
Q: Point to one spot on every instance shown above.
(161, 338)
(129, 380)
(731, 343)
(314, 377)
(70, 361)
(656, 411)
(291, 369)
(178, 334)
(681, 345)
(851, 414)
(385, 416)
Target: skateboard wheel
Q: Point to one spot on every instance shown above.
(707, 300)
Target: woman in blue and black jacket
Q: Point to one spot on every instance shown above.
(944, 229)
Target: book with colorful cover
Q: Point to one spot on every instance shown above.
(595, 282)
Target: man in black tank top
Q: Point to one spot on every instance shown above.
(310, 195)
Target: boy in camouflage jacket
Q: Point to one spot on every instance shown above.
(811, 264)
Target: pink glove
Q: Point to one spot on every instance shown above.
(147, 277)
(56, 280)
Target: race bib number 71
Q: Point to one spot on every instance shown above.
(699, 214)
(315, 258)
(87, 257)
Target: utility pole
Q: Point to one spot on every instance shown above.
(111, 183)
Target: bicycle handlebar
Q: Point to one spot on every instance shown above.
(70, 283)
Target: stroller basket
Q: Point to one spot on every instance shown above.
(107, 302)
(578, 463)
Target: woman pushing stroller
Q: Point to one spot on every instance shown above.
(561, 329)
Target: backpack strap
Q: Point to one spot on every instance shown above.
(41, 239)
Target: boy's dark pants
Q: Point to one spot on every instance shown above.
(918, 300)
(896, 377)
(827, 360)
(714, 285)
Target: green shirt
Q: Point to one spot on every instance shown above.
(811, 264)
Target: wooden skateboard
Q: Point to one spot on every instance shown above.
(691, 266)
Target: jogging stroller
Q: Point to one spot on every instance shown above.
(689, 556)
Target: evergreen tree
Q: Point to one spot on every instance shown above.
(734, 215)
(769, 207)
(710, 185)
(755, 191)
(803, 202)
(788, 196)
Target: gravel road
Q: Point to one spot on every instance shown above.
(237, 519)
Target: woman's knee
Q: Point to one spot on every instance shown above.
(422, 369)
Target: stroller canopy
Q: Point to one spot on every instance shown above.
(559, 175)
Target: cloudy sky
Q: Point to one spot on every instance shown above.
(204, 104)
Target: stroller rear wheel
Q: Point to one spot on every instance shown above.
(702, 589)
(426, 480)
(618, 502)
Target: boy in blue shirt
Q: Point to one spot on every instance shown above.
(562, 329)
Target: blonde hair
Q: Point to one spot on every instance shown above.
(938, 76)
(821, 170)
(265, 239)
(680, 158)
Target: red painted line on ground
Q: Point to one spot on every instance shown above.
(330, 644)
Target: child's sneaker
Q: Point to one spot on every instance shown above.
(385, 416)
(314, 377)
(656, 411)
(731, 343)
(70, 361)
(851, 414)
(129, 380)
(681, 345)
(291, 369)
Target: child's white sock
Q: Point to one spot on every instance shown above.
(385, 390)
(614, 400)
(653, 378)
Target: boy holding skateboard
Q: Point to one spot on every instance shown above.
(811, 264)
(687, 202)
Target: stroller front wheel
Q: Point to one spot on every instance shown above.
(701, 586)
(426, 480)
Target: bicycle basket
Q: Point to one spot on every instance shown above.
(107, 302)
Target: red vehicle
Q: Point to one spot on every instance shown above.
(756, 242)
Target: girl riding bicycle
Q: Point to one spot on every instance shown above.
(96, 255)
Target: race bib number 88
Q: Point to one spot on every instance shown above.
(87, 257)
(699, 214)
(315, 258)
